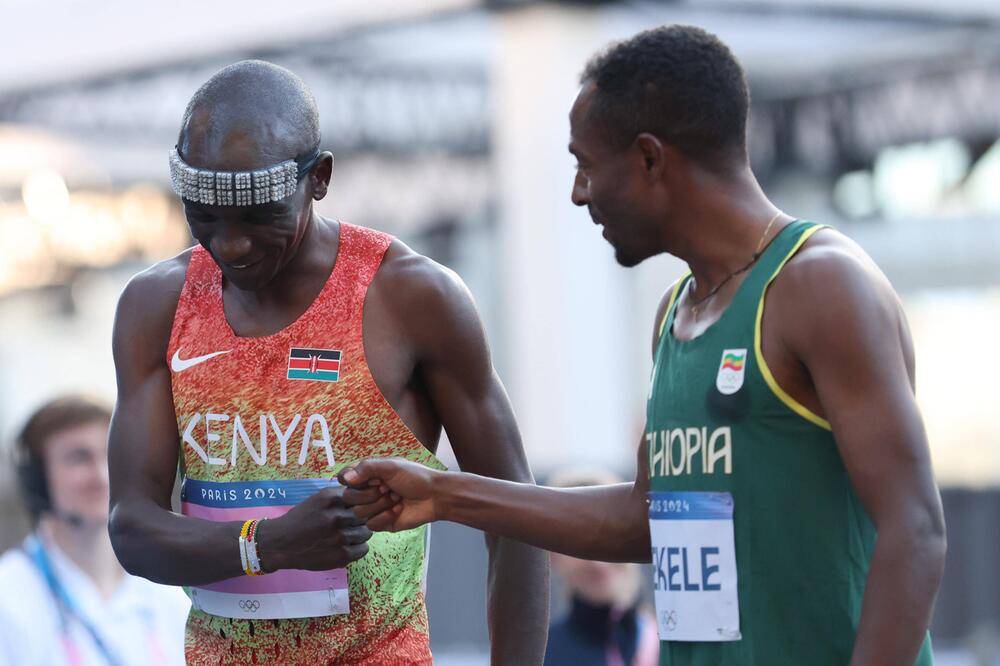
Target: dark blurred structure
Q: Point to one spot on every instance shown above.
(968, 607)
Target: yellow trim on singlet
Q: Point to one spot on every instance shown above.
(670, 303)
(765, 371)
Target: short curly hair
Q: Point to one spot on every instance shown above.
(679, 83)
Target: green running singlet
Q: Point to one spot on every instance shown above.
(717, 422)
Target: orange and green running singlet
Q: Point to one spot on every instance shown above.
(761, 548)
(263, 423)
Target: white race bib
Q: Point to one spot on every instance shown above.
(289, 593)
(694, 566)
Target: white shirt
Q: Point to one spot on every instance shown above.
(142, 623)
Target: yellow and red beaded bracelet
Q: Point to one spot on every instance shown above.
(249, 557)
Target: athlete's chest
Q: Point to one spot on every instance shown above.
(694, 317)
(261, 316)
(304, 397)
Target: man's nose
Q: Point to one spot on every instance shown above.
(230, 245)
(580, 195)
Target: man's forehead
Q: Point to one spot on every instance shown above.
(224, 142)
(582, 103)
(579, 112)
(580, 130)
(237, 150)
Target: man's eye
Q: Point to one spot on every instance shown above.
(277, 216)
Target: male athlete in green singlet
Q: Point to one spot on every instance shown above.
(784, 481)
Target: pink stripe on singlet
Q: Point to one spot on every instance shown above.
(226, 515)
(286, 580)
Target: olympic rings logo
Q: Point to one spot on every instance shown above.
(250, 605)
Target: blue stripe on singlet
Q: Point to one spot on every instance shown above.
(240, 494)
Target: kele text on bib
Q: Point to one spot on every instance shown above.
(694, 566)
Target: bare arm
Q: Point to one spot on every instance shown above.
(606, 523)
(453, 364)
(149, 539)
(855, 345)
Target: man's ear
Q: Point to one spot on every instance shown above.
(653, 153)
(321, 174)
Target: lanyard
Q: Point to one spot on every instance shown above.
(67, 607)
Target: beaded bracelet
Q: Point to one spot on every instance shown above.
(243, 551)
(253, 559)
(248, 549)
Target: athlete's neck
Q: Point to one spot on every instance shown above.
(88, 546)
(299, 281)
(723, 227)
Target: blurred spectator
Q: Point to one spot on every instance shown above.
(607, 623)
(66, 599)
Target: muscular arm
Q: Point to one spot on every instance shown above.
(855, 344)
(150, 539)
(453, 365)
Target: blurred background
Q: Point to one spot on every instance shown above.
(448, 119)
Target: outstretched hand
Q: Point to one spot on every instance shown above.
(409, 485)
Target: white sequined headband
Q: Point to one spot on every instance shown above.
(237, 188)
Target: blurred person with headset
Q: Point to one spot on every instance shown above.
(607, 624)
(66, 599)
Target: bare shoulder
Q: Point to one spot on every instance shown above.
(831, 294)
(418, 290)
(430, 306)
(148, 302)
(154, 292)
(831, 271)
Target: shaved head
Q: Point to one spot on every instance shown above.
(249, 115)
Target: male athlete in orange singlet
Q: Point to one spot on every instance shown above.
(280, 348)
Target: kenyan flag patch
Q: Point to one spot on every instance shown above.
(320, 365)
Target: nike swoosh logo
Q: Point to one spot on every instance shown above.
(178, 364)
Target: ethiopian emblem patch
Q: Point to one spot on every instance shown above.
(731, 371)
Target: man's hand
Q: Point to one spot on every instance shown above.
(406, 489)
(323, 532)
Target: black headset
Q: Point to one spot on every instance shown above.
(32, 479)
